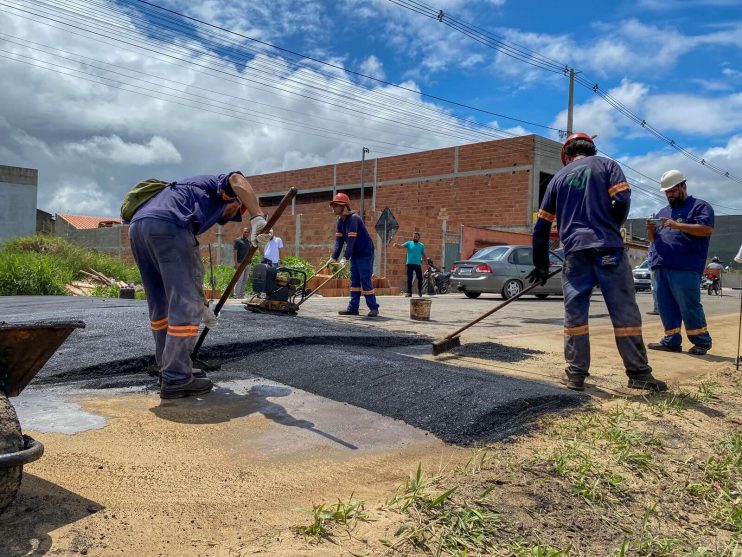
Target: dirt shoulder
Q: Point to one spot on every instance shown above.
(624, 475)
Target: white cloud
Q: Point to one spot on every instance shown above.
(91, 142)
(372, 67)
(113, 149)
(724, 194)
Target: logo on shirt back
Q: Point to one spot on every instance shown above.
(578, 177)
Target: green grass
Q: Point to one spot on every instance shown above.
(42, 265)
(325, 518)
(438, 525)
(28, 274)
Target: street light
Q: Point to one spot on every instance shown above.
(363, 186)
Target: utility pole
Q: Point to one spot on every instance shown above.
(571, 102)
(363, 187)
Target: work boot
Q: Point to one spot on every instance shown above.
(698, 350)
(373, 313)
(198, 373)
(573, 381)
(653, 312)
(348, 312)
(664, 347)
(420, 294)
(647, 382)
(196, 386)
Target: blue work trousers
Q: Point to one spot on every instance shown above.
(679, 299)
(172, 274)
(583, 270)
(361, 269)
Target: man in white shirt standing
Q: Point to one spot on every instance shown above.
(272, 250)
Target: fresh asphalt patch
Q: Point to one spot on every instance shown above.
(330, 358)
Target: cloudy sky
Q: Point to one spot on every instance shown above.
(98, 94)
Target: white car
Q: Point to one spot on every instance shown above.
(642, 277)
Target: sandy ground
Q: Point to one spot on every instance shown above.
(214, 477)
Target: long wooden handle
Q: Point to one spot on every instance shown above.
(497, 307)
(336, 273)
(245, 262)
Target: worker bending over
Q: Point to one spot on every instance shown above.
(163, 240)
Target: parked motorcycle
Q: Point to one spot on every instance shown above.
(436, 281)
(712, 284)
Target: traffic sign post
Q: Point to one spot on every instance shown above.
(386, 227)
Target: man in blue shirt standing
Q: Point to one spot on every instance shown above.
(589, 199)
(415, 255)
(359, 249)
(680, 247)
(163, 241)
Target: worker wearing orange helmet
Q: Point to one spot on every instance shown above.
(590, 199)
(359, 249)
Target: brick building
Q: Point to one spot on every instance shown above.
(458, 198)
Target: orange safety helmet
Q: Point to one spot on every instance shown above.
(570, 139)
(341, 199)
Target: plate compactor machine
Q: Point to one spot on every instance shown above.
(277, 289)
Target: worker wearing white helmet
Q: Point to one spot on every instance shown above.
(680, 248)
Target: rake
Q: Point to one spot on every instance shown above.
(449, 342)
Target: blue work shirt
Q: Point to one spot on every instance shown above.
(352, 232)
(589, 199)
(414, 252)
(673, 249)
(196, 203)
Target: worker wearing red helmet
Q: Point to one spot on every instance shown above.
(359, 249)
(590, 199)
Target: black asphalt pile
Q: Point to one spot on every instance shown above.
(117, 341)
(330, 358)
(458, 405)
(495, 351)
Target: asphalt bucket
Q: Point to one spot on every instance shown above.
(420, 309)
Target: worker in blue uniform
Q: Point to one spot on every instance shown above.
(589, 199)
(163, 241)
(359, 249)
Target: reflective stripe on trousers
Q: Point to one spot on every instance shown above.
(583, 270)
(361, 268)
(172, 274)
(679, 300)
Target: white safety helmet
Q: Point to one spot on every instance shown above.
(670, 179)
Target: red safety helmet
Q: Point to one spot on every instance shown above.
(570, 139)
(341, 199)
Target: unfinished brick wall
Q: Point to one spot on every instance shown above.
(483, 184)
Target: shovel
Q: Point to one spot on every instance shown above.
(453, 340)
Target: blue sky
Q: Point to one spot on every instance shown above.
(677, 64)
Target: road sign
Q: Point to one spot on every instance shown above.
(386, 226)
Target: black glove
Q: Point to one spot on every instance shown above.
(539, 275)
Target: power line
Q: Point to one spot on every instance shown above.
(539, 61)
(549, 152)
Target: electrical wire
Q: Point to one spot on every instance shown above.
(549, 152)
(544, 63)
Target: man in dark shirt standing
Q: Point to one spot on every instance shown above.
(680, 246)
(590, 198)
(241, 247)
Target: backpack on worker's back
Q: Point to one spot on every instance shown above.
(139, 195)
